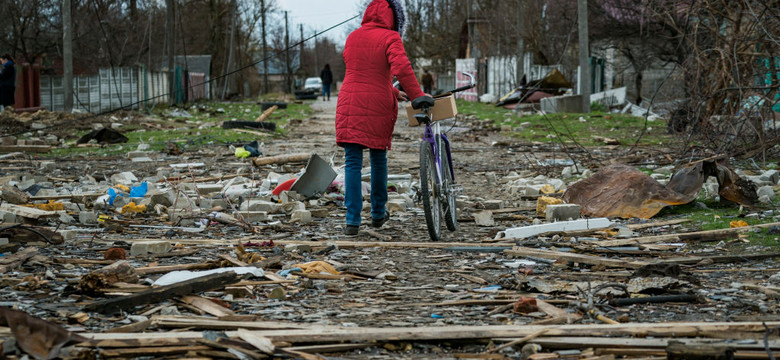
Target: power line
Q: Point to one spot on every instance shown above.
(129, 106)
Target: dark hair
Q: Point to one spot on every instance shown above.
(327, 66)
(6, 56)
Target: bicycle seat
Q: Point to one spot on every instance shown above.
(422, 101)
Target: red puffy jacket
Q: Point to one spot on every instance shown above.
(367, 106)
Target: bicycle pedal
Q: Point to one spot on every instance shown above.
(456, 188)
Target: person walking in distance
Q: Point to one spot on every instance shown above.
(427, 82)
(327, 79)
(7, 81)
(368, 105)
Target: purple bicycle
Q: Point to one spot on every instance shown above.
(438, 188)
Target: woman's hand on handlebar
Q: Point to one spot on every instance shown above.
(402, 96)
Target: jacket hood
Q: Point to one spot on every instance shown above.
(388, 14)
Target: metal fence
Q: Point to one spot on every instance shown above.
(118, 88)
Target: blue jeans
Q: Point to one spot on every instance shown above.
(353, 185)
(325, 91)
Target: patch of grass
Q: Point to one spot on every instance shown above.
(582, 128)
(202, 129)
(719, 215)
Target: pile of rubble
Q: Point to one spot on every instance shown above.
(203, 255)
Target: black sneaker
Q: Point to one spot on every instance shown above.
(351, 230)
(378, 223)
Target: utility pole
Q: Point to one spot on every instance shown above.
(302, 48)
(582, 19)
(230, 49)
(170, 9)
(316, 56)
(288, 78)
(265, 47)
(67, 56)
(520, 43)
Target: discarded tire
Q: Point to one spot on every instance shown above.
(263, 125)
(264, 106)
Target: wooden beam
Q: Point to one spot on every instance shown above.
(578, 342)
(11, 262)
(207, 306)
(168, 268)
(25, 148)
(281, 159)
(214, 324)
(579, 258)
(203, 283)
(708, 235)
(333, 334)
(341, 244)
(267, 113)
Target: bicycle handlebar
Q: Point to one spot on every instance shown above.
(471, 85)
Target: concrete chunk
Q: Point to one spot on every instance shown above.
(767, 191)
(149, 247)
(88, 218)
(484, 218)
(772, 176)
(301, 216)
(562, 212)
(396, 205)
(124, 178)
(260, 205)
(253, 216)
(68, 234)
(494, 204)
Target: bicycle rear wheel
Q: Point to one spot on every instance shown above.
(428, 190)
(448, 203)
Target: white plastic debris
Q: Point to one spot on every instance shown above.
(179, 276)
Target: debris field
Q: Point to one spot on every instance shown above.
(200, 254)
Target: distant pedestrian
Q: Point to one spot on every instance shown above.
(427, 82)
(7, 81)
(327, 78)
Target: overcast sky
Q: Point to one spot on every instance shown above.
(321, 14)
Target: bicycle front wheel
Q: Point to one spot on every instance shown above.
(448, 202)
(429, 191)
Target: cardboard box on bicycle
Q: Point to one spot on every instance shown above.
(443, 108)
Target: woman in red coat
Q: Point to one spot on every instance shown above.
(368, 104)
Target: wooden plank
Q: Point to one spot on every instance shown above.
(262, 343)
(213, 324)
(151, 351)
(25, 148)
(708, 235)
(203, 283)
(329, 348)
(207, 306)
(11, 262)
(281, 159)
(657, 224)
(340, 243)
(168, 268)
(579, 258)
(720, 258)
(332, 334)
(267, 113)
(218, 345)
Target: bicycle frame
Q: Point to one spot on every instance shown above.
(429, 136)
